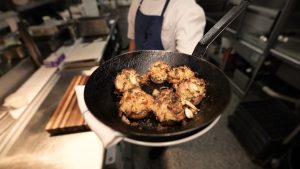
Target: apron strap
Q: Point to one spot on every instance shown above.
(140, 3)
(165, 7)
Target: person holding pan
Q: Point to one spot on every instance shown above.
(172, 25)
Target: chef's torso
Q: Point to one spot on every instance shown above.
(183, 23)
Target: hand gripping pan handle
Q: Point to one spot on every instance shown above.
(218, 28)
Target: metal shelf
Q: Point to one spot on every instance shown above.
(249, 52)
(259, 41)
(280, 54)
(252, 47)
(269, 12)
(236, 88)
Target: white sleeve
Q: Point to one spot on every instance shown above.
(189, 29)
(131, 18)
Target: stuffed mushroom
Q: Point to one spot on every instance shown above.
(135, 104)
(127, 79)
(167, 106)
(192, 90)
(179, 74)
(158, 72)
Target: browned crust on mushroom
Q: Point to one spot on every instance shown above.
(135, 103)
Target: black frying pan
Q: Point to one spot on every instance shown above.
(103, 103)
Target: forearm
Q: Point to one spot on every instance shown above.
(131, 45)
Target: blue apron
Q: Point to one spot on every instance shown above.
(148, 30)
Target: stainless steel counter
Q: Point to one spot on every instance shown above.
(36, 149)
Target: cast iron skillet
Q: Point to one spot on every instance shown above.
(102, 102)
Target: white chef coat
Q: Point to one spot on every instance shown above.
(183, 25)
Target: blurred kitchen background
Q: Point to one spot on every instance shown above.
(46, 44)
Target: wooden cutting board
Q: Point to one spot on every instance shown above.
(67, 117)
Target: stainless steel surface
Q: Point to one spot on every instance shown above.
(15, 77)
(15, 130)
(36, 149)
(74, 151)
(5, 122)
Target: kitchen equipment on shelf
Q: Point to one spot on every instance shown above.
(93, 27)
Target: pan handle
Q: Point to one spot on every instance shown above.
(218, 28)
